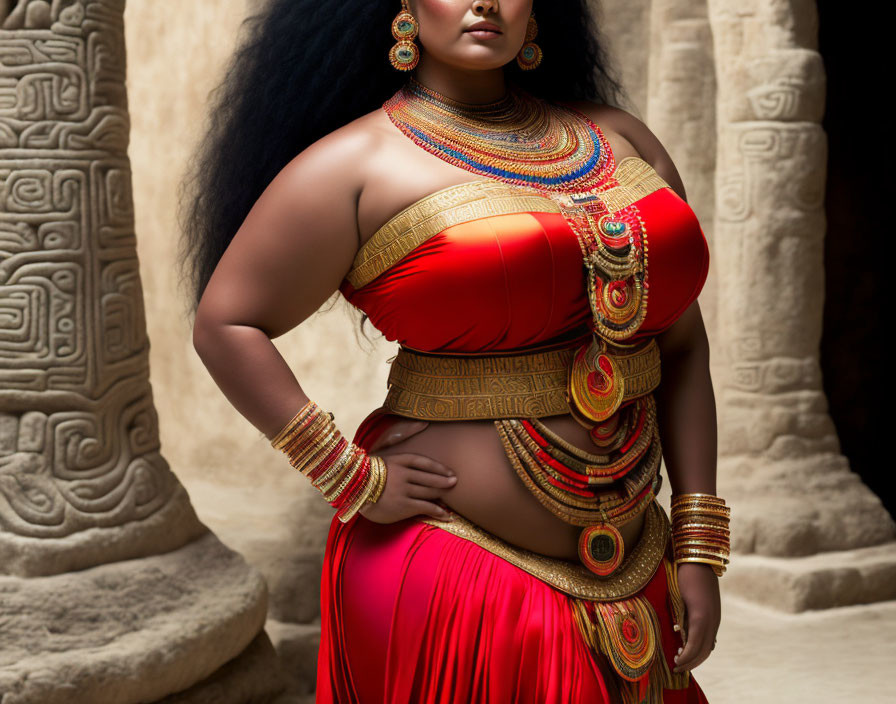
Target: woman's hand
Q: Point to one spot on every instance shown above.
(699, 589)
(412, 480)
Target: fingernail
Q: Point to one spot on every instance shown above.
(679, 651)
(452, 478)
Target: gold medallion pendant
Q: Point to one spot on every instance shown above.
(601, 548)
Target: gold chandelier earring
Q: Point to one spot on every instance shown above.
(529, 56)
(404, 55)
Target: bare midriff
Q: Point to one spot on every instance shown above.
(489, 492)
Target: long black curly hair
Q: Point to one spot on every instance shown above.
(303, 69)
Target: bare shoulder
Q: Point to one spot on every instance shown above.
(338, 160)
(297, 241)
(638, 134)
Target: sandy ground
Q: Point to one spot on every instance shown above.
(838, 655)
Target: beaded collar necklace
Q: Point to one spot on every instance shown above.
(518, 138)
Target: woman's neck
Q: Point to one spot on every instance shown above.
(471, 87)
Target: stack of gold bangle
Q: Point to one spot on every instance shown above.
(700, 531)
(343, 472)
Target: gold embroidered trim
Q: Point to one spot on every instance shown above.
(636, 179)
(434, 213)
(574, 578)
(533, 385)
(471, 200)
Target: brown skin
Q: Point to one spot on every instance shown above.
(291, 253)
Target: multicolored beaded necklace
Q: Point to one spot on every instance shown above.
(518, 138)
(558, 151)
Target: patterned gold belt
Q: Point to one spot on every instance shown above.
(572, 577)
(527, 385)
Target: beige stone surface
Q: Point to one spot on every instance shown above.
(111, 589)
(680, 110)
(764, 656)
(780, 468)
(129, 631)
(283, 535)
(625, 25)
(253, 677)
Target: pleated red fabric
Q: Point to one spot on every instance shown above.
(413, 614)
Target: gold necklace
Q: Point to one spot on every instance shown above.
(518, 138)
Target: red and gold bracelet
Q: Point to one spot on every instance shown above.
(700, 530)
(346, 475)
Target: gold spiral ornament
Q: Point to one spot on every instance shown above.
(596, 388)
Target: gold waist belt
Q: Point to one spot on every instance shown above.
(572, 577)
(531, 385)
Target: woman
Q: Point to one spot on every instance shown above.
(496, 537)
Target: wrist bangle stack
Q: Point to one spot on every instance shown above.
(343, 472)
(700, 531)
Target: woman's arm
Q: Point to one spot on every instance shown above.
(288, 257)
(686, 406)
(686, 413)
(285, 261)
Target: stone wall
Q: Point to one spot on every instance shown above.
(111, 588)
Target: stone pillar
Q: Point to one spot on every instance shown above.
(111, 589)
(806, 531)
(681, 95)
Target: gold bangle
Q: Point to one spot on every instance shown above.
(715, 525)
(381, 478)
(714, 514)
(341, 466)
(697, 495)
(309, 438)
(307, 463)
(359, 499)
(283, 435)
(720, 550)
(349, 469)
(319, 442)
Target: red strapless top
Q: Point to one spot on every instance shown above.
(486, 266)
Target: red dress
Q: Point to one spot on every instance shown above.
(413, 614)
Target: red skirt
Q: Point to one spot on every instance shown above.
(414, 614)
